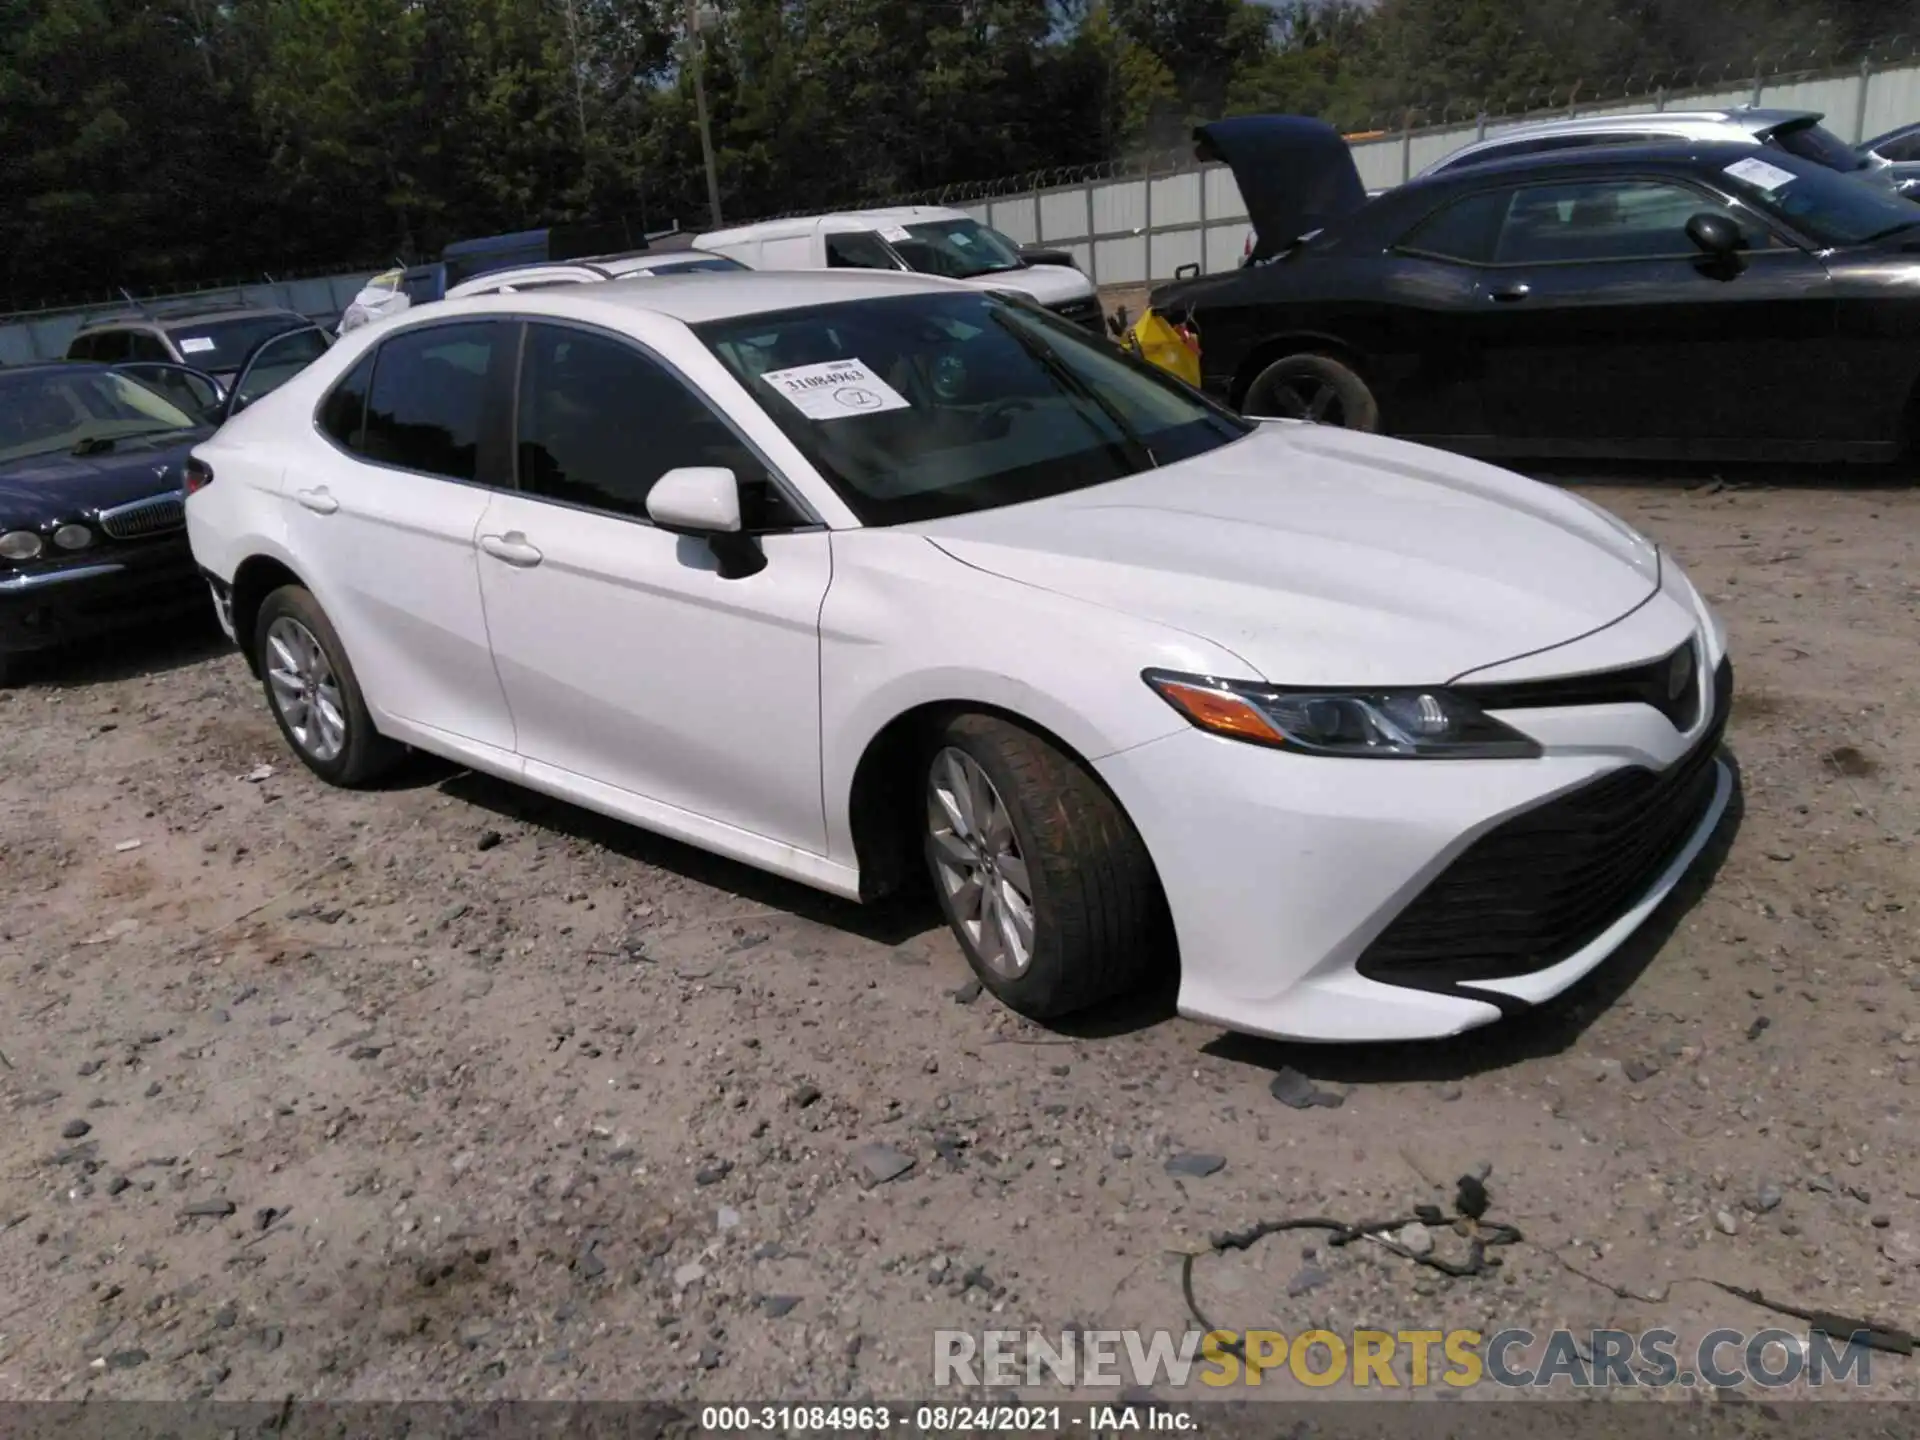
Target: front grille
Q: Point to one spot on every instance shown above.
(1670, 685)
(155, 516)
(1544, 885)
(1085, 312)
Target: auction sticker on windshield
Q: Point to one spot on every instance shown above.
(197, 345)
(835, 390)
(895, 232)
(1760, 173)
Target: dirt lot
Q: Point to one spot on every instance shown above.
(448, 1090)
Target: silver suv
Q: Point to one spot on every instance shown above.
(1799, 132)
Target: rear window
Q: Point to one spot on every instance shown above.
(1813, 141)
(223, 345)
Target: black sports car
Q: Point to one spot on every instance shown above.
(1672, 300)
(92, 513)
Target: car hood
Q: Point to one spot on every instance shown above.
(1296, 175)
(45, 488)
(1321, 557)
(1049, 284)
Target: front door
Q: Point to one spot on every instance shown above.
(1602, 326)
(627, 659)
(389, 514)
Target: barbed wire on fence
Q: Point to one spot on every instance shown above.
(1412, 119)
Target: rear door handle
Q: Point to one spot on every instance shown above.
(320, 501)
(512, 548)
(1512, 294)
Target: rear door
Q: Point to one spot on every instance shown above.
(1603, 329)
(382, 520)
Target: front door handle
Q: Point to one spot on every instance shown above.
(1512, 294)
(512, 548)
(320, 501)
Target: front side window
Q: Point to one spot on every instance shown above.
(600, 422)
(919, 406)
(279, 360)
(1589, 220)
(428, 398)
(1901, 149)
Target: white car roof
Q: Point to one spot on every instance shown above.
(837, 220)
(517, 275)
(709, 295)
(1739, 123)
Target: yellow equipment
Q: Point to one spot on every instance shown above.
(1174, 348)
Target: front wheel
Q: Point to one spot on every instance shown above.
(313, 694)
(1313, 387)
(1044, 880)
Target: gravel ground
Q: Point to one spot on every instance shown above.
(448, 1090)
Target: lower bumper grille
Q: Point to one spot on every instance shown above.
(142, 518)
(1544, 885)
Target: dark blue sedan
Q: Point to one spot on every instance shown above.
(92, 512)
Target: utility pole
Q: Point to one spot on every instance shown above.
(697, 46)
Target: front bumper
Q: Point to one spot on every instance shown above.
(1300, 886)
(117, 588)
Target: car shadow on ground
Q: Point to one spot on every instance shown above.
(894, 921)
(123, 655)
(1548, 1029)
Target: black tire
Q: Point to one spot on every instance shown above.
(1099, 917)
(1313, 387)
(366, 754)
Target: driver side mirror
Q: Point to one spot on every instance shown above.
(703, 501)
(1717, 236)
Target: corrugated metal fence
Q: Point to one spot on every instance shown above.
(1138, 228)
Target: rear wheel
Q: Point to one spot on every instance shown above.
(1045, 882)
(1313, 387)
(313, 694)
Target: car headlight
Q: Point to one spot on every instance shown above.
(73, 537)
(20, 545)
(1429, 723)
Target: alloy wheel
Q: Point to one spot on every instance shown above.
(304, 689)
(978, 862)
(1303, 396)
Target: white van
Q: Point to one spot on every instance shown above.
(926, 238)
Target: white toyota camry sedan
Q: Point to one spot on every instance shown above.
(867, 579)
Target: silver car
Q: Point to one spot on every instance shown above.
(1799, 132)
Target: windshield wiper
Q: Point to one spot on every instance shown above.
(1132, 445)
(101, 444)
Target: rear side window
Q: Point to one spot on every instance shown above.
(1817, 143)
(343, 414)
(428, 397)
(1467, 230)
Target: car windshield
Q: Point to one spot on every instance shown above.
(957, 249)
(920, 406)
(221, 346)
(44, 412)
(1827, 206)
